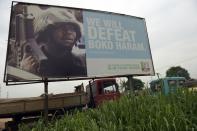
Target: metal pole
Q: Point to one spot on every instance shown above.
(0, 91)
(157, 75)
(46, 101)
(92, 104)
(130, 83)
(7, 94)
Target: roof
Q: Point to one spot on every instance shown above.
(168, 78)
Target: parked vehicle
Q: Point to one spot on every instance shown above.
(102, 90)
(97, 91)
(191, 84)
(167, 85)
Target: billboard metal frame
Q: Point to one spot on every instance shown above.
(21, 82)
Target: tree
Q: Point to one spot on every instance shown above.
(123, 85)
(177, 71)
(138, 84)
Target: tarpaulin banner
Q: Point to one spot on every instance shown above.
(63, 42)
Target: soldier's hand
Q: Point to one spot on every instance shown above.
(29, 63)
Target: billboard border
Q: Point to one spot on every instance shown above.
(8, 83)
(21, 82)
(107, 12)
(149, 46)
(5, 69)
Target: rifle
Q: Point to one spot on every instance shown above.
(25, 41)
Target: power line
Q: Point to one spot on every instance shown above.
(0, 90)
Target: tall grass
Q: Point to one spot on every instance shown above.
(175, 112)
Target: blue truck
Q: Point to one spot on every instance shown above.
(167, 85)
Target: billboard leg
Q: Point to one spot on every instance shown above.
(130, 83)
(46, 101)
(92, 103)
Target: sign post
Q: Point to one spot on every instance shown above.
(130, 83)
(46, 101)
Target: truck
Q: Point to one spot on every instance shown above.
(97, 92)
(167, 85)
(191, 84)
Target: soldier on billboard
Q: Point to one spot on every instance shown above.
(56, 33)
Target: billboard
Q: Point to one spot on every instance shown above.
(63, 42)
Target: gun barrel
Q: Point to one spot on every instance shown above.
(20, 29)
(29, 27)
(29, 30)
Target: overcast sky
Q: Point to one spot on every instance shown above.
(171, 25)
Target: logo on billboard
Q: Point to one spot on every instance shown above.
(145, 66)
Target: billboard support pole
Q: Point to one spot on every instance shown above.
(92, 103)
(130, 82)
(46, 100)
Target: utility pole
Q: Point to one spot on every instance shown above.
(158, 75)
(0, 91)
(7, 94)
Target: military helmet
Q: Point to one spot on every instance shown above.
(49, 18)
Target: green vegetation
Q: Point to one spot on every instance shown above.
(138, 85)
(177, 71)
(174, 112)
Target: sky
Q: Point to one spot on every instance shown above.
(171, 26)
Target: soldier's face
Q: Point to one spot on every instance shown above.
(65, 35)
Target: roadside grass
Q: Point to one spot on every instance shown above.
(174, 112)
